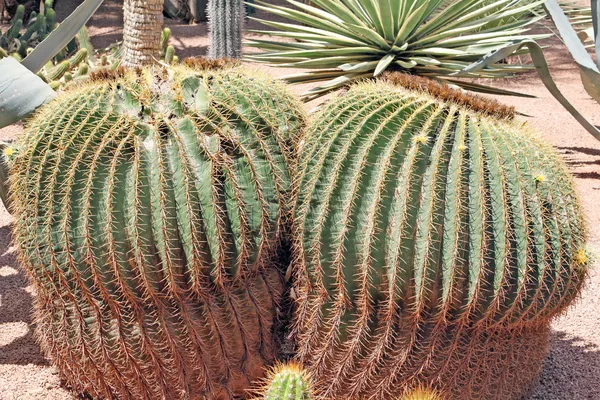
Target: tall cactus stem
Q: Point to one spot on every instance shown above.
(225, 22)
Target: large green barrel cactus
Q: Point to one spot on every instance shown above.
(149, 211)
(431, 227)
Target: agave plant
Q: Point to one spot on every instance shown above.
(588, 68)
(346, 40)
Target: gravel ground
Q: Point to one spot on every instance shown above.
(572, 368)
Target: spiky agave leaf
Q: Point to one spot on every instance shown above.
(427, 228)
(588, 69)
(345, 40)
(151, 207)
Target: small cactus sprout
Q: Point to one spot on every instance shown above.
(427, 239)
(287, 382)
(154, 236)
(421, 393)
(169, 54)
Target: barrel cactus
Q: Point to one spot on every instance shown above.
(150, 208)
(435, 236)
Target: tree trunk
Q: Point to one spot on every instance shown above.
(141, 34)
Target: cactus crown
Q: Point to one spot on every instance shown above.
(441, 90)
(151, 208)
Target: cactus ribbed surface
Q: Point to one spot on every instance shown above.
(428, 230)
(142, 30)
(225, 21)
(150, 208)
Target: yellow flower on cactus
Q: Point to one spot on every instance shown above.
(422, 139)
(540, 178)
(8, 151)
(581, 257)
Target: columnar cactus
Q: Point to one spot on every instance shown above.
(225, 20)
(430, 228)
(143, 20)
(150, 208)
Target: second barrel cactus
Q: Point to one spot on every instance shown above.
(436, 237)
(150, 209)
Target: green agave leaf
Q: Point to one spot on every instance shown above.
(590, 75)
(21, 92)
(433, 38)
(596, 27)
(61, 36)
(537, 55)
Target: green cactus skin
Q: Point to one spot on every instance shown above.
(83, 69)
(50, 20)
(420, 221)
(169, 54)
(288, 382)
(55, 85)
(40, 21)
(15, 29)
(225, 21)
(58, 71)
(20, 13)
(164, 40)
(78, 58)
(151, 208)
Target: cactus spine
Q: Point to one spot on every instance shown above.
(151, 209)
(425, 236)
(225, 21)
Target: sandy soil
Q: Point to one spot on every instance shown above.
(572, 368)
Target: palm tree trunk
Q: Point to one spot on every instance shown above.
(141, 34)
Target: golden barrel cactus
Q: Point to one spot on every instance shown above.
(436, 237)
(150, 208)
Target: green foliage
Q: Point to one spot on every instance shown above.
(346, 40)
(225, 20)
(425, 217)
(151, 206)
(590, 74)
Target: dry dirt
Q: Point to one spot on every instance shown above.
(572, 368)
